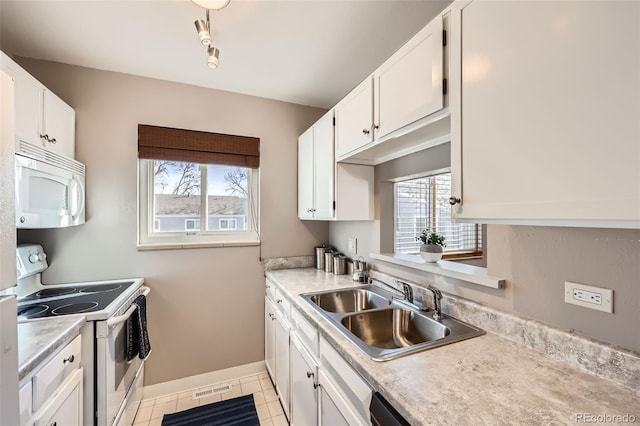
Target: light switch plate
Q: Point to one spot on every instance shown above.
(353, 245)
(588, 296)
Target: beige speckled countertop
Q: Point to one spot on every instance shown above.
(484, 380)
(40, 338)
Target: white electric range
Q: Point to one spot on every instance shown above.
(112, 384)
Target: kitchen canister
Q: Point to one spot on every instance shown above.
(339, 265)
(328, 261)
(320, 252)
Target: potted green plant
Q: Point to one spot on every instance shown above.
(432, 245)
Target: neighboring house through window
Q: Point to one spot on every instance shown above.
(195, 202)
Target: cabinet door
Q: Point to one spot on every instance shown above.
(304, 398)
(354, 119)
(65, 407)
(408, 86)
(270, 337)
(306, 175)
(330, 403)
(282, 362)
(546, 125)
(59, 125)
(28, 103)
(324, 167)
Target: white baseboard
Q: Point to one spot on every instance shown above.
(201, 380)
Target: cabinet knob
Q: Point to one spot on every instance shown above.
(69, 360)
(375, 126)
(53, 141)
(270, 315)
(273, 318)
(45, 137)
(309, 374)
(316, 385)
(365, 131)
(454, 200)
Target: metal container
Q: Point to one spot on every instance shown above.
(339, 265)
(328, 261)
(320, 251)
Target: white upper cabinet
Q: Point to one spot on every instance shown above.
(408, 86)
(59, 122)
(326, 190)
(354, 119)
(385, 117)
(545, 117)
(41, 118)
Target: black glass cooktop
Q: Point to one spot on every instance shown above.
(68, 300)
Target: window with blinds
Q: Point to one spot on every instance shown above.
(423, 204)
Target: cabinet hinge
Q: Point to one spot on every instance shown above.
(444, 37)
(444, 86)
(334, 205)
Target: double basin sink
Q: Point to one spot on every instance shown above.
(383, 327)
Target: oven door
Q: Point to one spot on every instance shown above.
(114, 374)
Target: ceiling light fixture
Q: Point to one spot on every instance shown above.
(214, 54)
(212, 4)
(204, 29)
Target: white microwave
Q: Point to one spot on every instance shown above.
(49, 189)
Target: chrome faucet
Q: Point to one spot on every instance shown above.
(437, 305)
(371, 280)
(406, 290)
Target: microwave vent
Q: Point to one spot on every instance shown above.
(37, 153)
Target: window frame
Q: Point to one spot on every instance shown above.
(149, 239)
(452, 255)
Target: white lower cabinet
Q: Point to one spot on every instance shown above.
(304, 385)
(315, 384)
(65, 408)
(52, 396)
(282, 362)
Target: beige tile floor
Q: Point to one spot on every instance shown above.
(267, 404)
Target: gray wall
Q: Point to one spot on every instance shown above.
(535, 261)
(206, 305)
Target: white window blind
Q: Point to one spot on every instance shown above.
(423, 204)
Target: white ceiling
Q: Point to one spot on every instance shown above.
(308, 52)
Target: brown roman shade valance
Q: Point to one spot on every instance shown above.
(164, 143)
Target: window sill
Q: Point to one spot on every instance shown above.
(469, 273)
(174, 246)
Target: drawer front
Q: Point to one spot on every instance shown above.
(25, 396)
(307, 333)
(54, 372)
(283, 304)
(270, 289)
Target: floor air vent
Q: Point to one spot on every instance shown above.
(213, 390)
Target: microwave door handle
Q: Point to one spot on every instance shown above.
(77, 184)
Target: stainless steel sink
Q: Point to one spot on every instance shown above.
(394, 328)
(349, 300)
(385, 328)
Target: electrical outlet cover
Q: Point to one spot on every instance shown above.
(588, 296)
(353, 245)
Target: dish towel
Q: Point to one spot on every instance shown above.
(137, 334)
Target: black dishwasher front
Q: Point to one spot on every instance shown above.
(383, 414)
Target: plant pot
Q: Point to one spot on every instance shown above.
(431, 252)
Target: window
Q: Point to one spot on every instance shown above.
(191, 203)
(191, 224)
(423, 204)
(228, 224)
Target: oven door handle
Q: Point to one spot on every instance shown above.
(112, 322)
